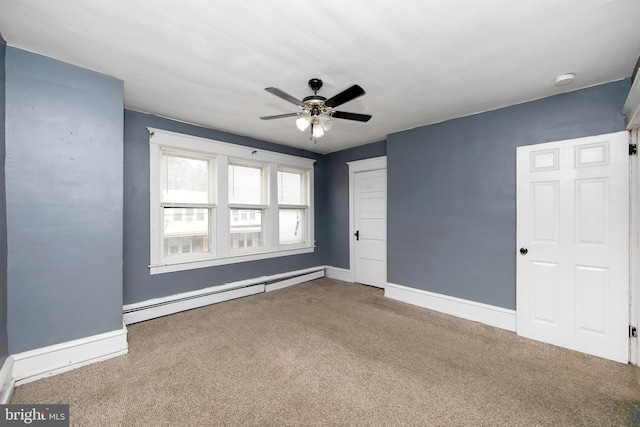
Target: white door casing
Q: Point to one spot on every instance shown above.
(368, 221)
(573, 244)
(634, 249)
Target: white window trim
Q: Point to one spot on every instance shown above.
(221, 152)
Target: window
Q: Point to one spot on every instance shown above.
(214, 203)
(185, 188)
(246, 202)
(292, 206)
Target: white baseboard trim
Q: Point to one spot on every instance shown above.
(293, 281)
(340, 274)
(46, 361)
(7, 382)
(158, 307)
(484, 313)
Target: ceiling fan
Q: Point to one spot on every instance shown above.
(317, 111)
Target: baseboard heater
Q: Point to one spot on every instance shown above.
(158, 307)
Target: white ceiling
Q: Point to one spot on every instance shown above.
(208, 61)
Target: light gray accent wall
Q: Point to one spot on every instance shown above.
(4, 343)
(338, 199)
(64, 151)
(452, 190)
(139, 285)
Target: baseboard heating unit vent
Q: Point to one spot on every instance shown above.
(158, 307)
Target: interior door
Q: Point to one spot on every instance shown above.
(573, 244)
(370, 224)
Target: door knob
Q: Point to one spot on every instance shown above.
(357, 234)
(524, 251)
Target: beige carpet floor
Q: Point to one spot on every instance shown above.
(329, 353)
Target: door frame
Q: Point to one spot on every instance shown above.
(634, 248)
(365, 165)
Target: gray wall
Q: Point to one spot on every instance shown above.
(64, 145)
(338, 199)
(452, 190)
(4, 343)
(139, 285)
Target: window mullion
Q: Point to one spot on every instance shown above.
(273, 226)
(284, 206)
(222, 206)
(247, 206)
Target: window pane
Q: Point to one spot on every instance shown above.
(184, 237)
(292, 226)
(186, 179)
(290, 188)
(245, 184)
(246, 228)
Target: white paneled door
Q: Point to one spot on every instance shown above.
(573, 244)
(370, 224)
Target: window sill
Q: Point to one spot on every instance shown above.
(190, 265)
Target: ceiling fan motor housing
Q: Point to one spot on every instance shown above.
(315, 110)
(315, 84)
(314, 104)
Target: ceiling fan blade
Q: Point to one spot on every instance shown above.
(351, 116)
(279, 116)
(284, 95)
(345, 96)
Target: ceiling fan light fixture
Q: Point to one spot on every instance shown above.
(317, 131)
(303, 123)
(325, 122)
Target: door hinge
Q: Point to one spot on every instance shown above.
(633, 149)
(633, 332)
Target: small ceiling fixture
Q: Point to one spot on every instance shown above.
(565, 79)
(317, 111)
